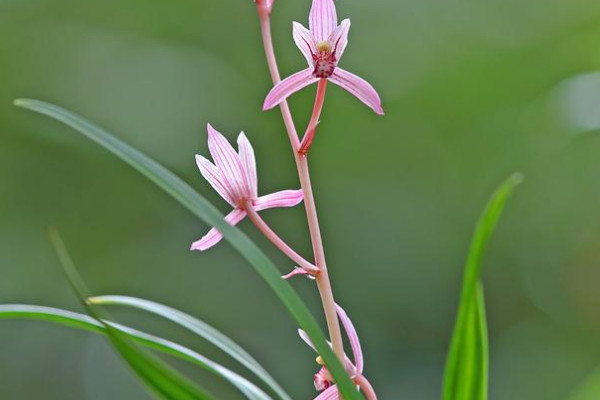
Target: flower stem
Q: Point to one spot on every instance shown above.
(322, 279)
(309, 135)
(276, 240)
(366, 387)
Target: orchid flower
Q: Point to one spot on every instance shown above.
(323, 45)
(322, 379)
(233, 176)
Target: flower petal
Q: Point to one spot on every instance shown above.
(248, 160)
(358, 87)
(322, 379)
(228, 161)
(214, 236)
(289, 86)
(322, 19)
(352, 337)
(213, 175)
(330, 393)
(306, 339)
(284, 198)
(339, 38)
(304, 40)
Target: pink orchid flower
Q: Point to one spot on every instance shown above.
(323, 381)
(323, 46)
(233, 176)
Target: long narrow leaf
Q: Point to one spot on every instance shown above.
(589, 389)
(466, 373)
(200, 328)
(200, 207)
(85, 322)
(157, 376)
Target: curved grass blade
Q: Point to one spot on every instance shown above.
(201, 329)
(204, 210)
(162, 380)
(85, 322)
(466, 373)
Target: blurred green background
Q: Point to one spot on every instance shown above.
(473, 91)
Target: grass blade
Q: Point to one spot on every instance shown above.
(158, 377)
(200, 207)
(466, 374)
(200, 328)
(85, 322)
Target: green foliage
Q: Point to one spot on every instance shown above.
(466, 374)
(85, 322)
(200, 207)
(589, 389)
(161, 379)
(200, 328)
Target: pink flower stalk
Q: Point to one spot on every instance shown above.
(233, 176)
(266, 4)
(323, 381)
(323, 46)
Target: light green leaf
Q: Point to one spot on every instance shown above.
(162, 380)
(589, 389)
(466, 374)
(200, 328)
(200, 207)
(85, 322)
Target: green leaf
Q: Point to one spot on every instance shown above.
(200, 328)
(466, 374)
(161, 379)
(589, 389)
(200, 207)
(85, 322)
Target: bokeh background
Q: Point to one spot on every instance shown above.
(473, 91)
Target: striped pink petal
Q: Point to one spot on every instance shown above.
(322, 19)
(284, 198)
(214, 236)
(330, 393)
(304, 40)
(352, 337)
(212, 174)
(246, 153)
(288, 86)
(358, 87)
(339, 38)
(228, 161)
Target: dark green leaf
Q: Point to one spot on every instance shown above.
(157, 376)
(200, 328)
(82, 321)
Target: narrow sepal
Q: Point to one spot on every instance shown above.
(214, 236)
(288, 86)
(358, 87)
